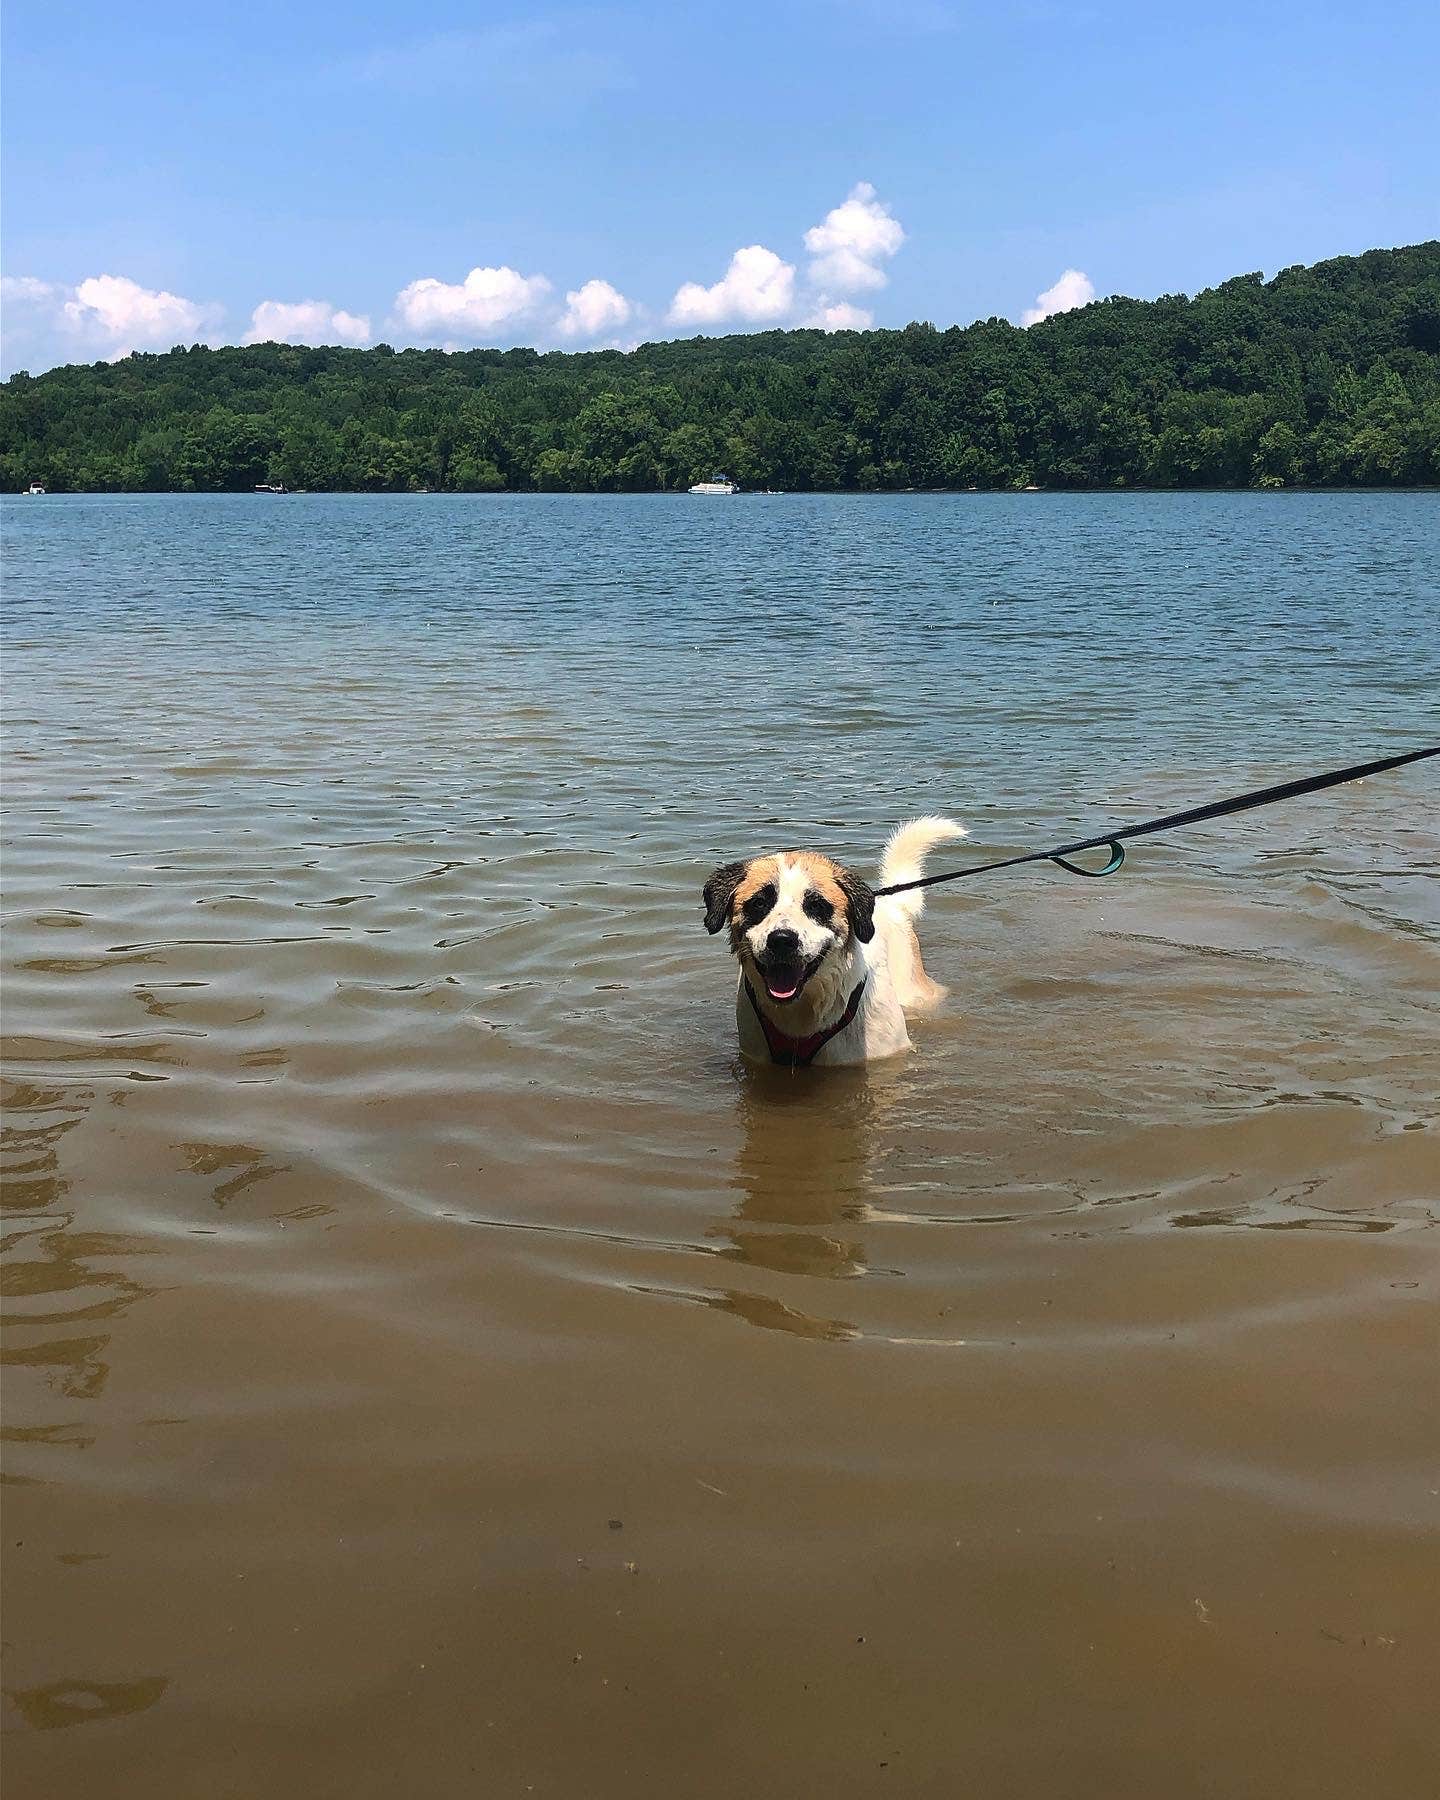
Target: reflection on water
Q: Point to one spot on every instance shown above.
(771, 1314)
(387, 1209)
(805, 1169)
(63, 1703)
(239, 1167)
(51, 1279)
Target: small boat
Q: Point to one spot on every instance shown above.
(271, 487)
(36, 487)
(717, 484)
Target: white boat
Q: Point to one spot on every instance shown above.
(36, 487)
(717, 484)
(271, 487)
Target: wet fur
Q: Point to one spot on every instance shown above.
(865, 938)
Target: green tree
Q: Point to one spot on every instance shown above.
(1328, 374)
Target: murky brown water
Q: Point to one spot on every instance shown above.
(437, 1367)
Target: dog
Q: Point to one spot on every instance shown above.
(828, 970)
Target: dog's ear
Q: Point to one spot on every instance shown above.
(859, 902)
(719, 891)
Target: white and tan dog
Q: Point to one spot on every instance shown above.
(827, 970)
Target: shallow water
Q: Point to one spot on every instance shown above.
(437, 1366)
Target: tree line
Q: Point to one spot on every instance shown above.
(1326, 376)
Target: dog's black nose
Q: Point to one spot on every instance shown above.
(783, 943)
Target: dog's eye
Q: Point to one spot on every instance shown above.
(759, 903)
(818, 908)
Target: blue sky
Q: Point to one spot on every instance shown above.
(172, 168)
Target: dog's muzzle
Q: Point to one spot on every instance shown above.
(782, 968)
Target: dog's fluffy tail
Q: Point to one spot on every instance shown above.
(904, 858)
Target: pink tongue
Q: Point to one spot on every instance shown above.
(782, 993)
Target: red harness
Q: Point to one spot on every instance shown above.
(799, 1053)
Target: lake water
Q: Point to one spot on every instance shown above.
(437, 1367)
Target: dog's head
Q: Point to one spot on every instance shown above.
(789, 915)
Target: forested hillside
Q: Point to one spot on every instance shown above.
(1327, 375)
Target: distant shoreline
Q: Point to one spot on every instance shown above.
(680, 493)
(1326, 378)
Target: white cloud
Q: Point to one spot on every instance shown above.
(474, 308)
(110, 315)
(305, 322)
(105, 316)
(1071, 290)
(131, 317)
(26, 290)
(838, 315)
(852, 240)
(594, 308)
(758, 286)
(30, 311)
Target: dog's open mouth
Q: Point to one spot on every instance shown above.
(783, 981)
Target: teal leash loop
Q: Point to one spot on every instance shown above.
(1117, 856)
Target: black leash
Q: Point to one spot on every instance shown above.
(1217, 809)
